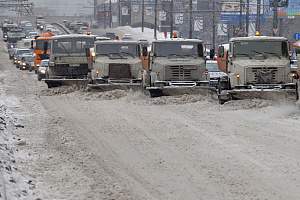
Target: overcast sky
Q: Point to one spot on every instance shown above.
(68, 7)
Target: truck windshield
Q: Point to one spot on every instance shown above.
(39, 44)
(71, 45)
(15, 34)
(122, 49)
(23, 51)
(165, 49)
(265, 48)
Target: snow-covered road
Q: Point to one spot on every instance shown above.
(118, 145)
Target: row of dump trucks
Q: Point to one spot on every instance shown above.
(257, 67)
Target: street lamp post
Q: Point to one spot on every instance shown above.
(190, 19)
(143, 15)
(155, 19)
(171, 18)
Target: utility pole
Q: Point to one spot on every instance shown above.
(214, 25)
(155, 20)
(247, 17)
(143, 15)
(110, 14)
(95, 9)
(119, 12)
(258, 15)
(171, 18)
(105, 13)
(275, 17)
(191, 19)
(241, 16)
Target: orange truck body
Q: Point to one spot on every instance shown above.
(38, 48)
(222, 57)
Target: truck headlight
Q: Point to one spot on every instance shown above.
(294, 75)
(238, 78)
(43, 71)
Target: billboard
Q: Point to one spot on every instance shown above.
(293, 9)
(230, 11)
(280, 3)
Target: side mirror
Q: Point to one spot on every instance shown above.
(221, 51)
(51, 64)
(145, 51)
(212, 54)
(87, 52)
(150, 59)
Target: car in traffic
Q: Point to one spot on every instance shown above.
(32, 34)
(214, 73)
(26, 61)
(18, 54)
(42, 70)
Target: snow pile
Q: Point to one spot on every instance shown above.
(59, 90)
(136, 33)
(246, 104)
(13, 185)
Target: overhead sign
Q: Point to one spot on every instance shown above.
(149, 11)
(178, 18)
(125, 10)
(293, 9)
(230, 11)
(222, 30)
(162, 15)
(297, 36)
(280, 3)
(198, 24)
(135, 8)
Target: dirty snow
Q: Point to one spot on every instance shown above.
(68, 144)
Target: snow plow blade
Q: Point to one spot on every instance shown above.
(114, 86)
(80, 83)
(268, 94)
(176, 91)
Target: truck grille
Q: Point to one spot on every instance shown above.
(265, 75)
(179, 72)
(119, 71)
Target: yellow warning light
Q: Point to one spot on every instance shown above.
(257, 33)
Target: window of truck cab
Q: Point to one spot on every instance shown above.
(267, 48)
(179, 48)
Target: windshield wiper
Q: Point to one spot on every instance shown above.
(244, 54)
(127, 53)
(119, 54)
(275, 54)
(189, 55)
(261, 53)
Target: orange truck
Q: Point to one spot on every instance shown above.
(41, 48)
(222, 57)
